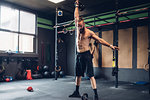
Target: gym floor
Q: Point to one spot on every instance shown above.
(50, 89)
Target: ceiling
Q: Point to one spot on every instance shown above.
(92, 6)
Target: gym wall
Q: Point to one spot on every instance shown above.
(46, 41)
(107, 53)
(142, 46)
(62, 52)
(127, 70)
(125, 45)
(70, 47)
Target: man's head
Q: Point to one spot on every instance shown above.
(81, 22)
(81, 25)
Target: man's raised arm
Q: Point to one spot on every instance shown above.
(76, 12)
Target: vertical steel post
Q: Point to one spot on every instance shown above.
(56, 56)
(115, 41)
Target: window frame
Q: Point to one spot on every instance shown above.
(35, 37)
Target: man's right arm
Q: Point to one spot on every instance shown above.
(76, 12)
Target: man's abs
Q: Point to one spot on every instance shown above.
(82, 47)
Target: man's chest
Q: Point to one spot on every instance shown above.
(82, 37)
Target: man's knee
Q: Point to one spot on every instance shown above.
(78, 77)
(91, 76)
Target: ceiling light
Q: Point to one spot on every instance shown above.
(56, 1)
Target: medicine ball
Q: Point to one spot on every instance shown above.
(53, 73)
(62, 74)
(45, 68)
(46, 74)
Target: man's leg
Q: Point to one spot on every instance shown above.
(93, 83)
(76, 92)
(90, 73)
(78, 80)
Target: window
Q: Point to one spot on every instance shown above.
(17, 30)
(8, 41)
(27, 22)
(9, 18)
(26, 43)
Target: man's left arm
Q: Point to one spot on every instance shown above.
(102, 41)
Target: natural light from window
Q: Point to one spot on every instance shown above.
(17, 30)
(25, 43)
(8, 41)
(27, 22)
(9, 18)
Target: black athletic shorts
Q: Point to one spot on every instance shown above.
(84, 64)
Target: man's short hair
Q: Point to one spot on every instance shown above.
(81, 19)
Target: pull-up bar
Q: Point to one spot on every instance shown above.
(97, 19)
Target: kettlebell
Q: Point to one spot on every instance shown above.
(84, 96)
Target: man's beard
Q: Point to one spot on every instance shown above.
(82, 30)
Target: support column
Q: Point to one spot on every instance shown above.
(56, 56)
(100, 48)
(134, 42)
(115, 43)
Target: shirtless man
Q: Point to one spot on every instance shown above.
(84, 57)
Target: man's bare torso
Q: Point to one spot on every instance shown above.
(83, 41)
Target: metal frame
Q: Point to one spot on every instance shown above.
(115, 42)
(56, 57)
(122, 13)
(57, 25)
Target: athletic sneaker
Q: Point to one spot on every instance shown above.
(75, 94)
(95, 97)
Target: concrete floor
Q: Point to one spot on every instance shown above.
(50, 89)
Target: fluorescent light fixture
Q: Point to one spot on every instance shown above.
(56, 1)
